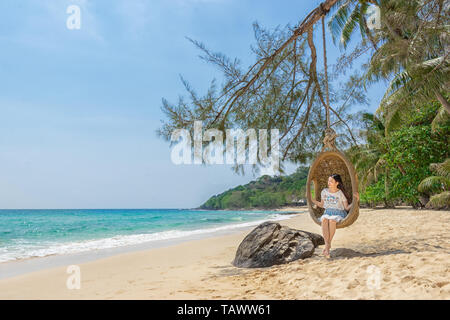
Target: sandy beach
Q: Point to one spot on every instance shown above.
(385, 254)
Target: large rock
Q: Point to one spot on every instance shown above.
(270, 243)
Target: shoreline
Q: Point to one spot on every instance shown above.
(409, 248)
(22, 266)
(284, 208)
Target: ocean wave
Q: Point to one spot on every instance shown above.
(26, 251)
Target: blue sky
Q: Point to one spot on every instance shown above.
(79, 108)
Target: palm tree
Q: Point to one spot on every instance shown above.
(414, 55)
(368, 158)
(411, 50)
(349, 15)
(438, 186)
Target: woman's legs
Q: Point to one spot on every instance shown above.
(332, 230)
(326, 234)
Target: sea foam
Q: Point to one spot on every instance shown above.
(28, 251)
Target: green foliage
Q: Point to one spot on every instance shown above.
(374, 193)
(409, 152)
(393, 167)
(367, 159)
(413, 56)
(284, 91)
(349, 16)
(442, 169)
(434, 184)
(438, 186)
(413, 149)
(265, 192)
(441, 200)
(409, 50)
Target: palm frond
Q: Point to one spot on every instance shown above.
(339, 18)
(442, 169)
(434, 184)
(398, 82)
(442, 117)
(349, 27)
(439, 201)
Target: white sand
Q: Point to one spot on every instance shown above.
(385, 254)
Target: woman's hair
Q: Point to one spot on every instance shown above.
(340, 185)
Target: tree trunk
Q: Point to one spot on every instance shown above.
(443, 101)
(387, 202)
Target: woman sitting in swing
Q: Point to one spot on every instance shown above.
(334, 201)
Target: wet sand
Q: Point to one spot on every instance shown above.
(385, 254)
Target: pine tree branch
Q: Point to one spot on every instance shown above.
(304, 26)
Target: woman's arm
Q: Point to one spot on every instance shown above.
(346, 205)
(317, 203)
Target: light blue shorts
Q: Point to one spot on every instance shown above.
(334, 214)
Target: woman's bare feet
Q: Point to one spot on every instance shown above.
(326, 251)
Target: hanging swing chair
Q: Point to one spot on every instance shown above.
(331, 161)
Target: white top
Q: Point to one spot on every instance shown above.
(333, 200)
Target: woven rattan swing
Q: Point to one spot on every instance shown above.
(330, 161)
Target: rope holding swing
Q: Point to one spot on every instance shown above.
(331, 160)
(328, 131)
(326, 72)
(330, 134)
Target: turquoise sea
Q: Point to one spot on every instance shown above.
(38, 233)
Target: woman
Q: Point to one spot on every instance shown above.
(336, 206)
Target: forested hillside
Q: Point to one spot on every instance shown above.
(265, 192)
